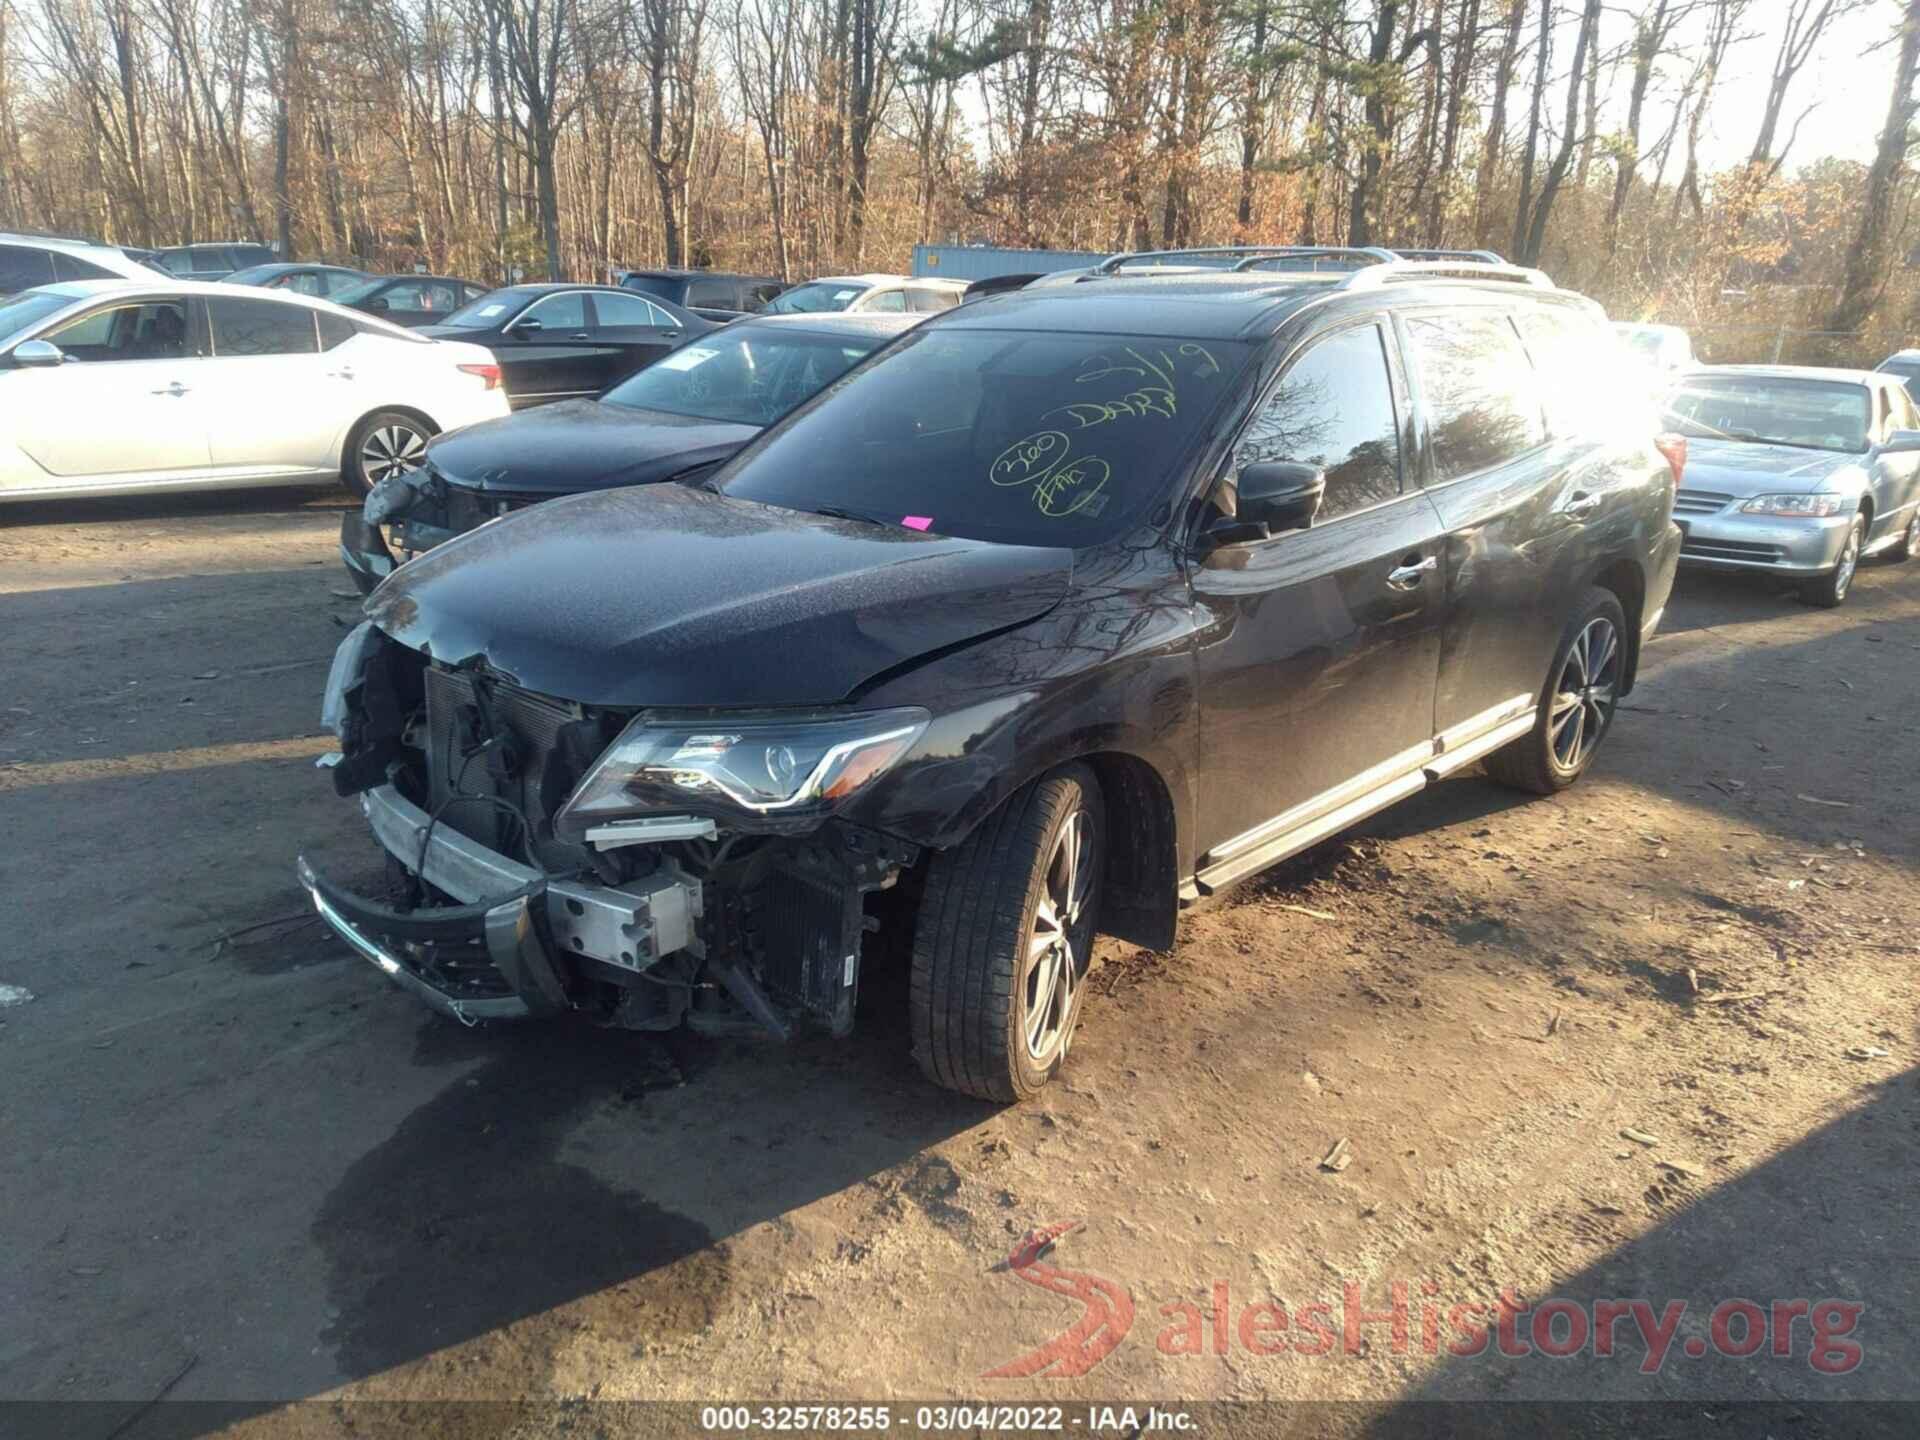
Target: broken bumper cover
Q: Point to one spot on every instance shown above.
(532, 930)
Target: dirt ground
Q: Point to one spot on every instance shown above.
(1654, 1039)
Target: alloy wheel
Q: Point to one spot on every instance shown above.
(391, 450)
(1053, 967)
(1584, 697)
(1849, 562)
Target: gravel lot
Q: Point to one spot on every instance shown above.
(245, 1168)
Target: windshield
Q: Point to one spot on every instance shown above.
(253, 274)
(752, 375)
(1011, 436)
(488, 311)
(26, 310)
(816, 296)
(1769, 410)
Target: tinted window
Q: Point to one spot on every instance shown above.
(338, 282)
(176, 262)
(433, 297)
(335, 330)
(616, 312)
(1772, 410)
(68, 267)
(560, 312)
(667, 287)
(761, 296)
(1014, 436)
(749, 374)
(259, 275)
(260, 327)
(1482, 401)
(496, 307)
(1334, 409)
(214, 257)
(249, 255)
(1587, 388)
(22, 269)
(716, 294)
(156, 330)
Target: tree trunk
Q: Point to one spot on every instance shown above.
(1869, 266)
(1496, 123)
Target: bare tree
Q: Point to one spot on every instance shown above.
(1869, 263)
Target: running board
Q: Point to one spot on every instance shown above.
(1408, 773)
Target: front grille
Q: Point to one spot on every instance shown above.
(1733, 550)
(545, 746)
(1700, 502)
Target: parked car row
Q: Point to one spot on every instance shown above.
(1054, 612)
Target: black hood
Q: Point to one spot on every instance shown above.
(673, 596)
(581, 445)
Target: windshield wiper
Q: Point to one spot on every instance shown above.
(835, 513)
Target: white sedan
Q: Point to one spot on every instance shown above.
(110, 386)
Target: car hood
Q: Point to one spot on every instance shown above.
(671, 596)
(1740, 468)
(581, 445)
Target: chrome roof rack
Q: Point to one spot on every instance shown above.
(1246, 255)
(1486, 256)
(1401, 271)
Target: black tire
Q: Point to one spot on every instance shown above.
(981, 913)
(1909, 544)
(1542, 761)
(385, 431)
(1832, 588)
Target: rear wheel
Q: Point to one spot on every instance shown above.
(1003, 940)
(1831, 588)
(385, 443)
(1909, 545)
(1578, 704)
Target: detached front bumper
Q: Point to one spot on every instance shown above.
(513, 946)
(1732, 541)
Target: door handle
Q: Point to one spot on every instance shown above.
(1581, 506)
(176, 389)
(345, 372)
(669, 334)
(1408, 577)
(580, 335)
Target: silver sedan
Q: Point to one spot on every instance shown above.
(1796, 472)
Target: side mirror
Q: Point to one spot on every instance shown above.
(44, 355)
(1898, 442)
(525, 327)
(377, 305)
(1268, 499)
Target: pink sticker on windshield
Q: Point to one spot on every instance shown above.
(917, 522)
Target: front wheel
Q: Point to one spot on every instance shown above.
(1003, 941)
(1909, 545)
(385, 443)
(1831, 588)
(1577, 706)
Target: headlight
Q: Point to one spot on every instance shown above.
(1797, 507)
(762, 764)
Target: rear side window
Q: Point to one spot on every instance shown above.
(887, 302)
(68, 267)
(924, 300)
(1333, 409)
(214, 257)
(176, 262)
(1586, 387)
(22, 269)
(336, 330)
(260, 327)
(1482, 399)
(714, 294)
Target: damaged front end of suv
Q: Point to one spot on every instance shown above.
(584, 808)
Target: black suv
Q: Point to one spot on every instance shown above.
(1068, 607)
(710, 294)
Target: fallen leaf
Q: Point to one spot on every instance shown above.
(1339, 1157)
(1639, 1137)
(1835, 804)
(1303, 910)
(1866, 1052)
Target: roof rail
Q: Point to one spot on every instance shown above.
(1488, 257)
(1245, 254)
(1400, 271)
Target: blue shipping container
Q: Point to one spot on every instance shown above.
(983, 262)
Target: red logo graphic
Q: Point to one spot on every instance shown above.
(1105, 1319)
